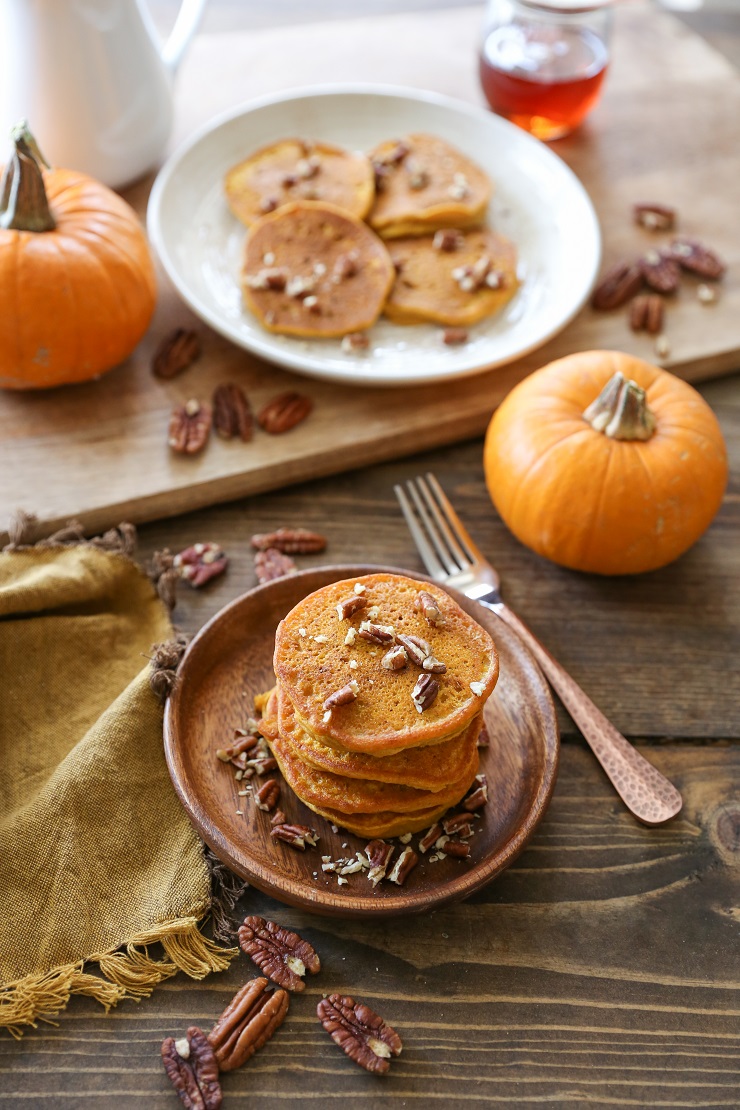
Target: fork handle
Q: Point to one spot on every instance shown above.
(644, 790)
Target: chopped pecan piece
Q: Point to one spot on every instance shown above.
(247, 1023)
(655, 217)
(379, 855)
(271, 564)
(706, 294)
(617, 286)
(646, 313)
(291, 541)
(200, 563)
(346, 266)
(448, 239)
(274, 278)
(434, 665)
(660, 271)
(350, 605)
(456, 849)
(359, 1032)
(269, 204)
(278, 818)
(395, 659)
(483, 738)
(267, 795)
(243, 742)
(175, 353)
(458, 824)
(478, 797)
(418, 175)
(232, 413)
(297, 836)
(416, 648)
(430, 837)
(454, 337)
(280, 954)
(376, 633)
(343, 696)
(697, 259)
(192, 1069)
(424, 692)
(262, 764)
(355, 341)
(405, 863)
(395, 155)
(429, 608)
(284, 412)
(190, 426)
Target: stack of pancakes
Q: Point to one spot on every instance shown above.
(379, 763)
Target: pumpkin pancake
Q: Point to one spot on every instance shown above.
(351, 796)
(431, 767)
(312, 270)
(423, 183)
(452, 287)
(292, 170)
(372, 825)
(314, 649)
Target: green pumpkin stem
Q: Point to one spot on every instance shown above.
(24, 205)
(621, 411)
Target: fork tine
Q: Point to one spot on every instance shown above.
(461, 556)
(429, 559)
(462, 533)
(433, 533)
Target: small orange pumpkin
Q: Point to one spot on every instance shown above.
(76, 276)
(604, 463)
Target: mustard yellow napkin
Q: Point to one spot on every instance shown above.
(97, 857)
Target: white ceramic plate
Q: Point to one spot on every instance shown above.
(538, 203)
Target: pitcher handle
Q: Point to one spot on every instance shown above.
(186, 24)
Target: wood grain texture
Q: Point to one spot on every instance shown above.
(231, 660)
(107, 439)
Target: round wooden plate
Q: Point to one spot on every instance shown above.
(230, 660)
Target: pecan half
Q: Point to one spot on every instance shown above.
(247, 1023)
(478, 797)
(280, 954)
(379, 855)
(274, 278)
(284, 412)
(424, 692)
(646, 313)
(350, 605)
(297, 836)
(273, 564)
(267, 795)
(660, 271)
(291, 541)
(617, 286)
(430, 837)
(697, 259)
(359, 1031)
(454, 337)
(343, 696)
(175, 353)
(232, 413)
(655, 217)
(200, 563)
(375, 633)
(190, 426)
(395, 659)
(192, 1069)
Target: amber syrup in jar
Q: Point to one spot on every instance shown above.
(543, 82)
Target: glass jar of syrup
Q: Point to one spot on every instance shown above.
(543, 62)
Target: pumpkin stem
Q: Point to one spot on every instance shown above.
(620, 411)
(23, 202)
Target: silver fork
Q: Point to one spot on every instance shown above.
(452, 558)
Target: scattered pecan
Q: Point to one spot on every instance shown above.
(416, 648)
(200, 563)
(232, 413)
(419, 176)
(274, 278)
(478, 797)
(262, 764)
(267, 795)
(429, 608)
(247, 1023)
(447, 239)
(375, 633)
(483, 738)
(346, 266)
(355, 341)
(646, 313)
(456, 849)
(350, 605)
(273, 564)
(192, 1069)
(395, 659)
(460, 824)
(379, 855)
(617, 286)
(696, 258)
(269, 204)
(405, 863)
(430, 837)
(278, 818)
(660, 271)
(454, 337)
(297, 836)
(280, 954)
(242, 744)
(175, 353)
(343, 696)
(291, 541)
(284, 412)
(395, 155)
(424, 692)
(655, 217)
(190, 426)
(359, 1032)
(473, 277)
(434, 665)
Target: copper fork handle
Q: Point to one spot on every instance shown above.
(644, 790)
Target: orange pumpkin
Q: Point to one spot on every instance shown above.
(76, 276)
(604, 463)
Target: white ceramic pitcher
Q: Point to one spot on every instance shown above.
(92, 81)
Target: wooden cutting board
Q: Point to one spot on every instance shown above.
(666, 130)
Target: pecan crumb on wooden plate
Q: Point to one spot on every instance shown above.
(282, 955)
(360, 1032)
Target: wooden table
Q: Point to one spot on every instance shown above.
(602, 968)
